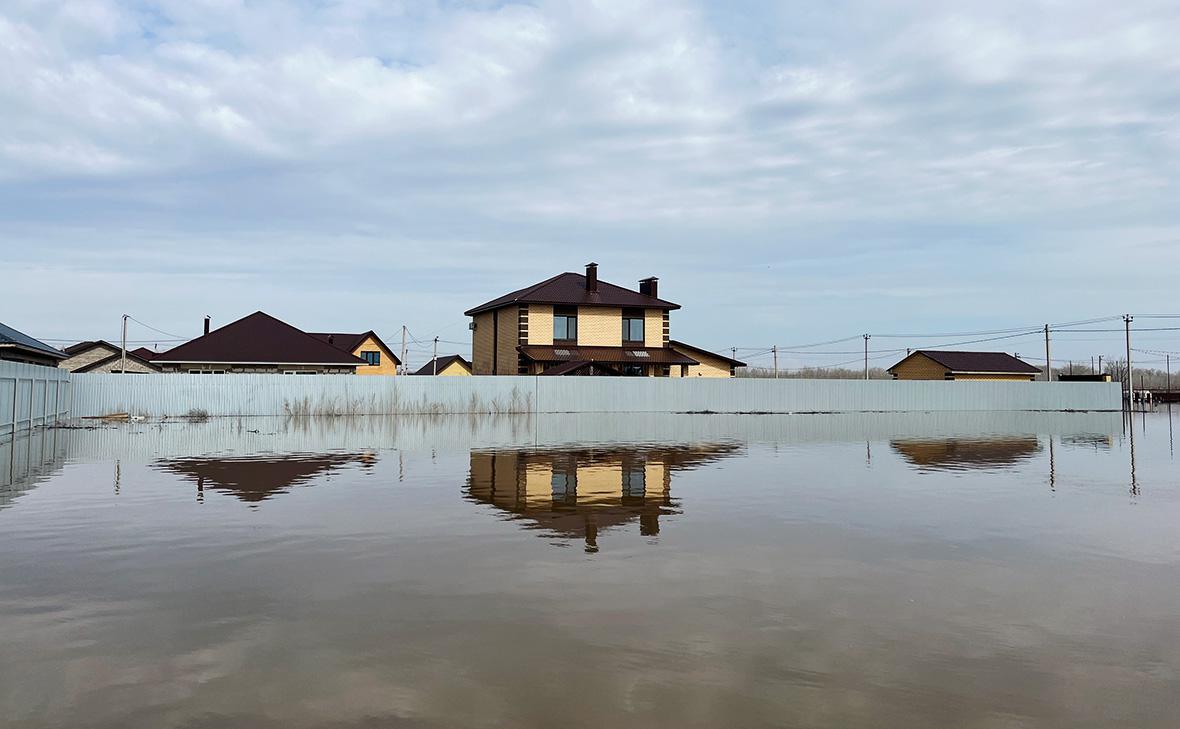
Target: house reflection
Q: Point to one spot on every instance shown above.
(578, 494)
(254, 479)
(963, 454)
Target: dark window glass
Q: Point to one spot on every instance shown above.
(565, 324)
(632, 325)
(373, 358)
(633, 370)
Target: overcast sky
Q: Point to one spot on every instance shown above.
(792, 171)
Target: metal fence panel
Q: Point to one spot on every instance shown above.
(174, 395)
(31, 395)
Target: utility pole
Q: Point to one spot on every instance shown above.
(123, 348)
(1127, 319)
(1048, 359)
(867, 336)
(436, 355)
(405, 369)
(774, 350)
(1168, 364)
(1099, 364)
(1092, 370)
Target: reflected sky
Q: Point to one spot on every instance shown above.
(812, 572)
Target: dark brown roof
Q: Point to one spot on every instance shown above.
(992, 362)
(88, 344)
(258, 338)
(443, 362)
(143, 353)
(349, 342)
(620, 355)
(691, 349)
(570, 289)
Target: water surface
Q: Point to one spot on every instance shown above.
(975, 570)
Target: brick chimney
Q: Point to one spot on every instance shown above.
(650, 287)
(206, 323)
(591, 276)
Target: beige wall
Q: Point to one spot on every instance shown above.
(540, 324)
(600, 326)
(709, 366)
(387, 366)
(455, 369)
(482, 344)
(87, 357)
(919, 367)
(653, 328)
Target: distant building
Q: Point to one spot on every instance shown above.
(258, 343)
(99, 356)
(379, 359)
(1103, 377)
(452, 365)
(934, 364)
(709, 364)
(20, 347)
(575, 324)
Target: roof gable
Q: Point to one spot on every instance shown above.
(992, 362)
(570, 289)
(11, 337)
(443, 363)
(258, 338)
(76, 349)
(349, 342)
(691, 350)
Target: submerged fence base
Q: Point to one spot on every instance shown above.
(169, 395)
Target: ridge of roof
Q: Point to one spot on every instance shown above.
(969, 361)
(444, 361)
(258, 337)
(569, 288)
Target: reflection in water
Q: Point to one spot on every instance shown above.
(575, 494)
(29, 459)
(257, 478)
(962, 454)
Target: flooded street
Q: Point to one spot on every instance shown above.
(938, 570)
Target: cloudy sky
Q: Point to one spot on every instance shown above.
(792, 171)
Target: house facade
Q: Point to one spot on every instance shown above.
(709, 364)
(379, 359)
(930, 364)
(258, 344)
(99, 356)
(17, 346)
(450, 366)
(575, 324)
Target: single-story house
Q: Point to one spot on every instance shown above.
(452, 365)
(709, 364)
(379, 359)
(20, 347)
(936, 364)
(258, 343)
(102, 356)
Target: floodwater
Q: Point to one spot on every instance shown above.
(970, 570)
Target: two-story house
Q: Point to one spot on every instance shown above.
(575, 324)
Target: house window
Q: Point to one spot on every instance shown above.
(373, 358)
(634, 370)
(565, 324)
(206, 372)
(633, 325)
(634, 481)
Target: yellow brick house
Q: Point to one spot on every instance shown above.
(575, 324)
(379, 359)
(933, 364)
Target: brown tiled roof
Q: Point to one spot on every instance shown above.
(619, 355)
(258, 338)
(570, 289)
(143, 353)
(83, 346)
(443, 362)
(691, 349)
(990, 362)
(349, 342)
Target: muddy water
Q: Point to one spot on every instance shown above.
(713, 571)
